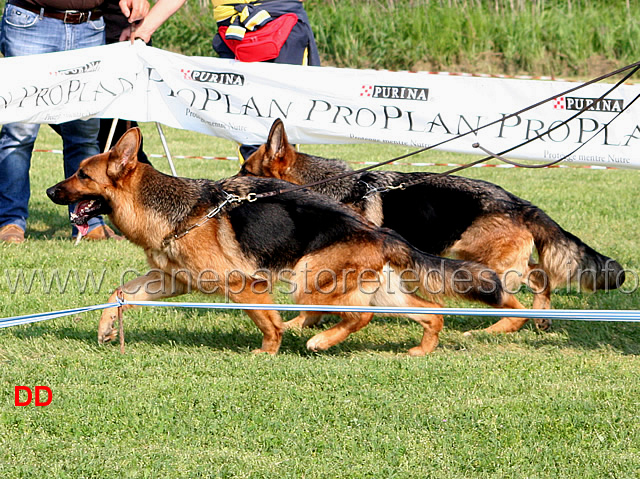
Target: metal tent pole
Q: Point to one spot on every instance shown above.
(166, 149)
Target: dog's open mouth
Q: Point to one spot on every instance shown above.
(83, 212)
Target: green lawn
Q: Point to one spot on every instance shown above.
(189, 400)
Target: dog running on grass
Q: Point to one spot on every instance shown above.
(451, 216)
(325, 251)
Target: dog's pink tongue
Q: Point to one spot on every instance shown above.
(83, 228)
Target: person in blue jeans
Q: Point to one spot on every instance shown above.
(28, 29)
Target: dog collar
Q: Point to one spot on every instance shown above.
(229, 198)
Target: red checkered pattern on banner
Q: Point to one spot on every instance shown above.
(186, 73)
(366, 90)
(558, 103)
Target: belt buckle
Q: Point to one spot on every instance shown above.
(74, 16)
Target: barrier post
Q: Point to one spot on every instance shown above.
(120, 297)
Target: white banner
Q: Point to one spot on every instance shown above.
(239, 101)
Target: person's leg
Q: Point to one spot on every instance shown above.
(16, 146)
(21, 33)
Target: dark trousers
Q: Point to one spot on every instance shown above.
(121, 128)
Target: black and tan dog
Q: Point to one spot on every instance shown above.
(204, 234)
(451, 216)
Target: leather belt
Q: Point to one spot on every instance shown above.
(67, 16)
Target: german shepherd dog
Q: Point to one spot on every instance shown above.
(451, 216)
(198, 228)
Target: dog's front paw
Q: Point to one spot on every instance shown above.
(318, 343)
(417, 352)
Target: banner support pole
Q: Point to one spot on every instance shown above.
(166, 149)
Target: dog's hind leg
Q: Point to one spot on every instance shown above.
(432, 324)
(351, 322)
(509, 324)
(305, 319)
(504, 246)
(153, 285)
(540, 283)
(346, 274)
(542, 300)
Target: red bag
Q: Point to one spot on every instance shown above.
(265, 42)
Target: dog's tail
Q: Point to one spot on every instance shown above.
(436, 277)
(564, 259)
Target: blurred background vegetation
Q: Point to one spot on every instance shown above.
(574, 38)
(558, 38)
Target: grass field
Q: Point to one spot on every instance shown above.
(188, 400)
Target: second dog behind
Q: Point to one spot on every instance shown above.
(452, 216)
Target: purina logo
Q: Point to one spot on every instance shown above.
(213, 77)
(592, 104)
(395, 92)
(89, 67)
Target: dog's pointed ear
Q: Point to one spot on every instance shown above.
(123, 157)
(277, 143)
